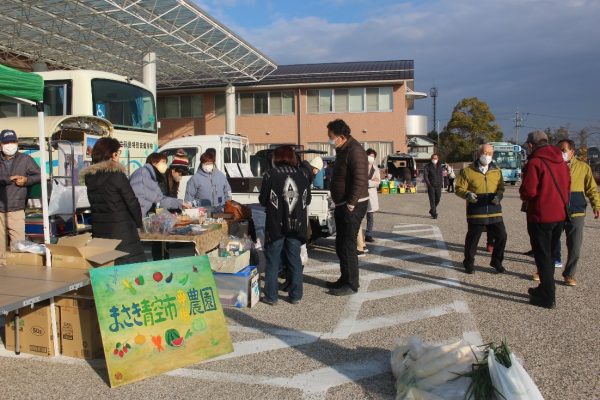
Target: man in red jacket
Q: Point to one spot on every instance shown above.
(545, 189)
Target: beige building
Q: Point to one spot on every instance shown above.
(295, 103)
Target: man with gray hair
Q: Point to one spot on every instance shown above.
(545, 190)
(482, 185)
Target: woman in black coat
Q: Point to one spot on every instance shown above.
(116, 212)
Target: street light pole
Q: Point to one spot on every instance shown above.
(433, 92)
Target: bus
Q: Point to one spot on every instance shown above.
(80, 106)
(509, 158)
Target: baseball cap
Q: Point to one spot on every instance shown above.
(536, 137)
(317, 163)
(7, 136)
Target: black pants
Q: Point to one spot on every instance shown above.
(346, 226)
(497, 231)
(451, 185)
(435, 194)
(544, 237)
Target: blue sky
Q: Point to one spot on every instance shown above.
(540, 57)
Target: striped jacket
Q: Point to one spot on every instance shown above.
(582, 185)
(486, 187)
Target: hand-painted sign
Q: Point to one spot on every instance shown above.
(158, 316)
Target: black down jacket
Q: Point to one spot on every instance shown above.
(116, 212)
(350, 180)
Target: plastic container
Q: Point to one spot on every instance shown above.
(240, 289)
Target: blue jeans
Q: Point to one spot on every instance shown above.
(273, 253)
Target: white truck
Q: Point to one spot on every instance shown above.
(232, 152)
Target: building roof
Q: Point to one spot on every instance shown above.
(191, 47)
(330, 73)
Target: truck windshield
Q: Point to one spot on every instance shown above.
(127, 106)
(507, 159)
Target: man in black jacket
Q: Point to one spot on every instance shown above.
(349, 191)
(18, 172)
(432, 175)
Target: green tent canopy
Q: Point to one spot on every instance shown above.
(19, 84)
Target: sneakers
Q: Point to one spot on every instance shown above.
(269, 302)
(334, 285)
(537, 301)
(535, 277)
(360, 253)
(500, 269)
(570, 281)
(369, 239)
(557, 264)
(342, 291)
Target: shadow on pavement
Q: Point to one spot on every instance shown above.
(342, 359)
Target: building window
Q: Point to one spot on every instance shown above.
(377, 99)
(274, 103)
(419, 149)
(219, 103)
(184, 106)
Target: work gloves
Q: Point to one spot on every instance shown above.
(471, 197)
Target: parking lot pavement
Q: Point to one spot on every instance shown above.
(338, 348)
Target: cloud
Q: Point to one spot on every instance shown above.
(538, 55)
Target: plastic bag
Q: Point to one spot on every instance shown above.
(25, 246)
(303, 254)
(513, 383)
(61, 200)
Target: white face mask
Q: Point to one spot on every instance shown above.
(177, 178)
(208, 168)
(162, 167)
(485, 160)
(565, 156)
(333, 141)
(371, 159)
(9, 149)
(434, 161)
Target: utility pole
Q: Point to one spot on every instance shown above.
(518, 124)
(433, 92)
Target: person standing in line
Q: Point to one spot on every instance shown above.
(116, 211)
(432, 176)
(349, 191)
(451, 178)
(582, 185)
(482, 185)
(373, 207)
(285, 192)
(18, 172)
(545, 189)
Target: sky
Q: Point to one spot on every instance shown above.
(538, 57)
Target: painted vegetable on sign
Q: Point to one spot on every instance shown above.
(158, 316)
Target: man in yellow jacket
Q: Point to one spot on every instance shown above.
(482, 185)
(582, 185)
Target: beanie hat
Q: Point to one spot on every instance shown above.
(180, 159)
(317, 163)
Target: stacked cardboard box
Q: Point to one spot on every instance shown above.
(79, 329)
(35, 330)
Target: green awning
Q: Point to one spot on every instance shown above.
(24, 85)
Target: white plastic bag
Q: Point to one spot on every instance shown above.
(513, 383)
(304, 254)
(61, 200)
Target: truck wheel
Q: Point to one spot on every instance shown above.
(513, 183)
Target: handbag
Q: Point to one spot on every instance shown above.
(565, 202)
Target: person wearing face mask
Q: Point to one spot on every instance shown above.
(179, 168)
(432, 175)
(482, 186)
(349, 191)
(146, 183)
(208, 187)
(582, 185)
(18, 172)
(374, 181)
(116, 211)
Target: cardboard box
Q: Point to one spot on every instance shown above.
(35, 331)
(240, 289)
(229, 265)
(83, 251)
(13, 258)
(79, 330)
